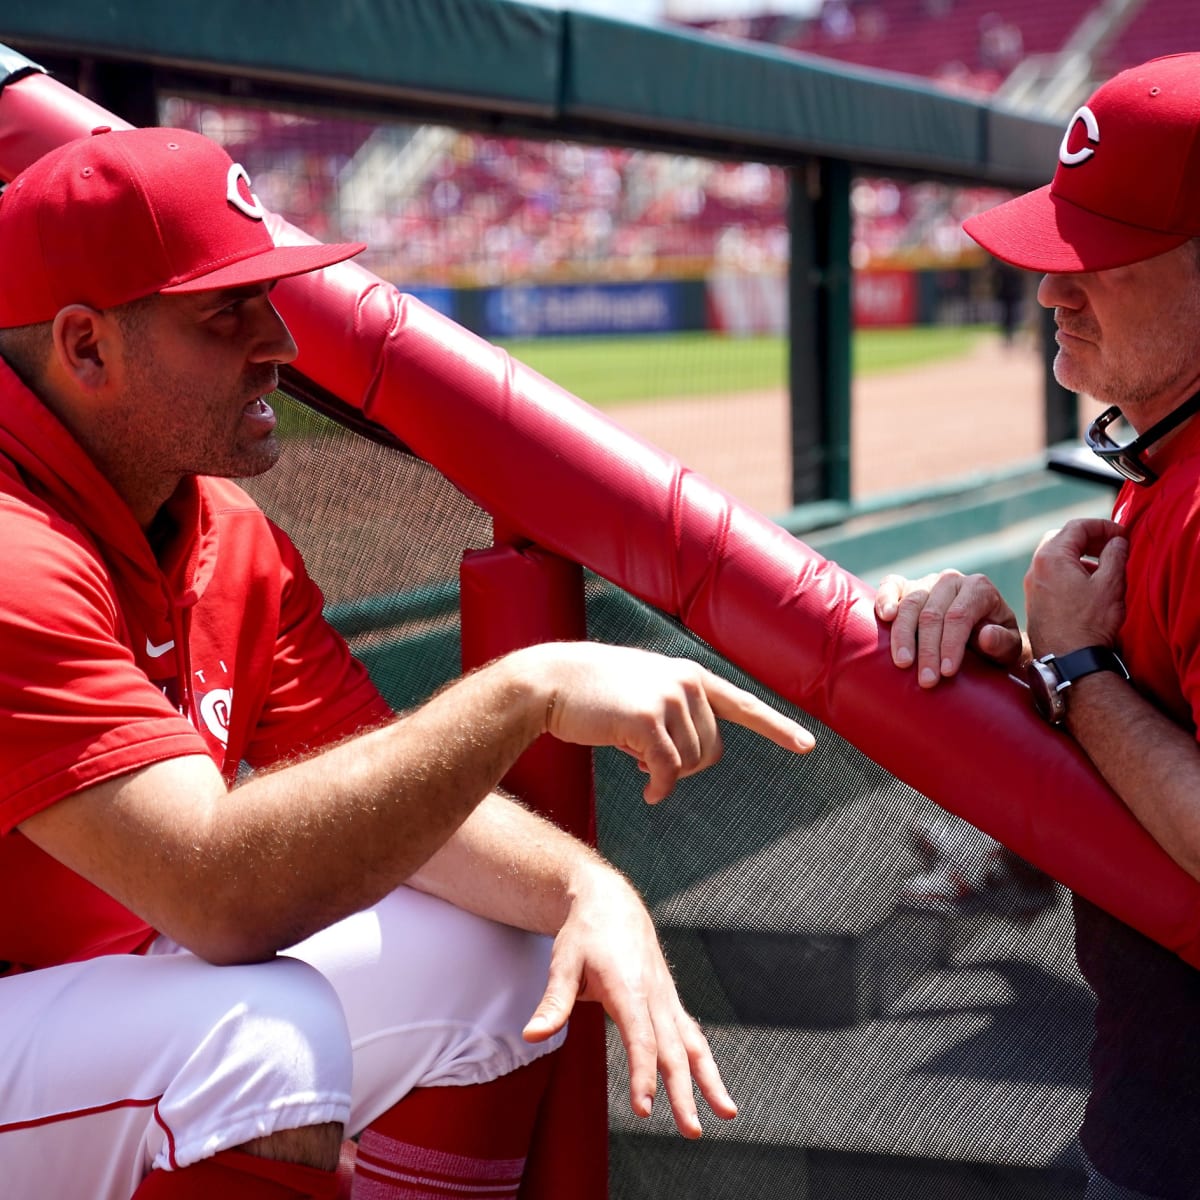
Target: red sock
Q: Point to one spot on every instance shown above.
(449, 1142)
(235, 1175)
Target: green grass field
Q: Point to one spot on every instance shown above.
(607, 371)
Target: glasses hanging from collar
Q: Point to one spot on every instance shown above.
(1127, 459)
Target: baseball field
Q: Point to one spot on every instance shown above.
(608, 371)
(928, 405)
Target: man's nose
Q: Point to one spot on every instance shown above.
(1060, 291)
(274, 341)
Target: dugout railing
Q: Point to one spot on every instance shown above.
(875, 1043)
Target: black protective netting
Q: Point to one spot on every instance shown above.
(893, 1000)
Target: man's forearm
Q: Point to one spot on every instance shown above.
(509, 864)
(1148, 760)
(294, 849)
(396, 794)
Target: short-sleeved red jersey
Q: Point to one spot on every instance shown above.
(114, 658)
(1160, 639)
(1147, 1024)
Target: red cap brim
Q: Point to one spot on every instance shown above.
(277, 263)
(1040, 231)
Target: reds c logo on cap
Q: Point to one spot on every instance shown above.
(130, 213)
(243, 200)
(1072, 158)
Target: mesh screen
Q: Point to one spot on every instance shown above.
(892, 998)
(382, 533)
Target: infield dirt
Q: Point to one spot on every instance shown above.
(910, 428)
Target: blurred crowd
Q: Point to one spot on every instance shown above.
(443, 207)
(493, 209)
(487, 210)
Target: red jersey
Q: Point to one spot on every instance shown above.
(1160, 640)
(1142, 1126)
(114, 658)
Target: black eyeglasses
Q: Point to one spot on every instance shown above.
(1126, 460)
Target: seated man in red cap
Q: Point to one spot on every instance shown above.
(209, 982)
(1112, 651)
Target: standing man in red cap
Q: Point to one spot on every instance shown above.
(1112, 649)
(209, 979)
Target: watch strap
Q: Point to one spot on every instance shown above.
(1051, 677)
(1086, 661)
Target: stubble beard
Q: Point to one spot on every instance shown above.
(254, 462)
(1132, 387)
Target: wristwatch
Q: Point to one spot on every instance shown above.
(1050, 676)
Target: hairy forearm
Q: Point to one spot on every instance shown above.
(238, 876)
(511, 865)
(241, 875)
(384, 801)
(1148, 760)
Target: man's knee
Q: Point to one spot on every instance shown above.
(271, 1072)
(285, 1026)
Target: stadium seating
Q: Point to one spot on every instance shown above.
(484, 210)
(1159, 27)
(969, 43)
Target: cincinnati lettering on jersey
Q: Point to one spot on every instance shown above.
(213, 706)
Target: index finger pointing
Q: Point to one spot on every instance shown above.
(733, 704)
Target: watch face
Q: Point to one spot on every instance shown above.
(1043, 687)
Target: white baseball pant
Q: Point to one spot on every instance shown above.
(121, 1064)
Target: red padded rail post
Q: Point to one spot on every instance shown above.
(568, 478)
(513, 597)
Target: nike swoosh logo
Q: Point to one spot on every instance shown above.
(158, 651)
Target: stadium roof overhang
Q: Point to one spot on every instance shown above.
(524, 69)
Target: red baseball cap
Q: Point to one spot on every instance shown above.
(110, 218)
(1127, 185)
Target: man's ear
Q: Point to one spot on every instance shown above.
(82, 345)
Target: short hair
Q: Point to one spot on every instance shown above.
(26, 348)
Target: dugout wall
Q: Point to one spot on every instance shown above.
(877, 1044)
